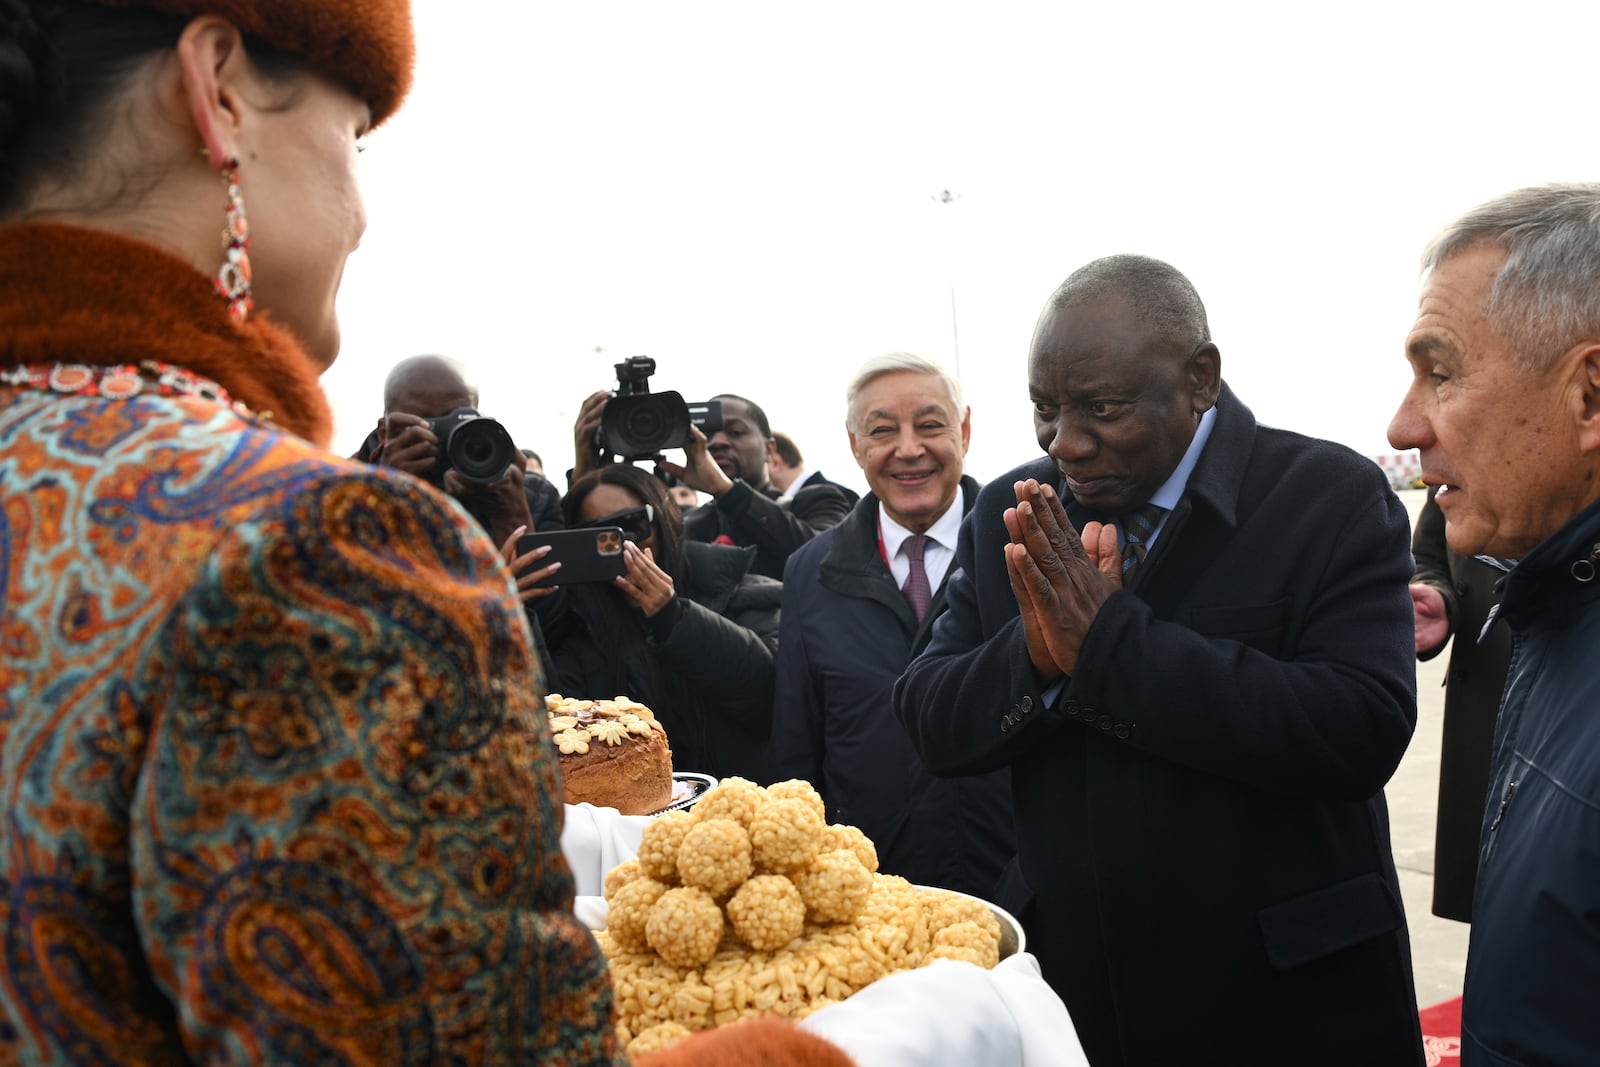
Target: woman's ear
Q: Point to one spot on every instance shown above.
(212, 61)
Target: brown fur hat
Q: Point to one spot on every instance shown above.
(365, 44)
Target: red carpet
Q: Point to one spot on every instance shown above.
(1441, 1033)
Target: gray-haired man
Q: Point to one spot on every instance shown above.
(1504, 406)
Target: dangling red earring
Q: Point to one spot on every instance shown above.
(233, 279)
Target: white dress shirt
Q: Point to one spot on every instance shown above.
(937, 554)
(801, 476)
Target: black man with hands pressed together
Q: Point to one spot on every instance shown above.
(1190, 638)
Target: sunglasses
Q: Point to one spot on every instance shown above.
(637, 524)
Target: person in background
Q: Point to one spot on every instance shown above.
(1504, 408)
(859, 602)
(689, 631)
(787, 470)
(277, 781)
(1454, 596)
(684, 497)
(1189, 638)
(535, 463)
(422, 388)
(731, 467)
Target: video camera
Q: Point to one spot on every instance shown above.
(639, 424)
(475, 446)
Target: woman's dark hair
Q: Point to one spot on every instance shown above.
(649, 489)
(614, 623)
(62, 63)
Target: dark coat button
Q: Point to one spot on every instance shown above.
(1105, 722)
(1071, 707)
(1027, 704)
(1121, 731)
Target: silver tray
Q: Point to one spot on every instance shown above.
(687, 787)
(1012, 939)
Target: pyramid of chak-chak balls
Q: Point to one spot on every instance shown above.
(613, 754)
(751, 904)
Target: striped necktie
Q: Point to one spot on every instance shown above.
(1137, 529)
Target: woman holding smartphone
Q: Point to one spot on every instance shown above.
(688, 630)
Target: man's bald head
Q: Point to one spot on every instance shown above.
(1158, 293)
(428, 386)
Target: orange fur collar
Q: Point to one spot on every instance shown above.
(75, 295)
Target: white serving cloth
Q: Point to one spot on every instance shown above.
(951, 1012)
(941, 1014)
(594, 840)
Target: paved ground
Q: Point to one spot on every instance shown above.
(1438, 946)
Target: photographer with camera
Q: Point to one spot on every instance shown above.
(726, 460)
(431, 428)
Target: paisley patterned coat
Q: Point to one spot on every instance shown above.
(276, 779)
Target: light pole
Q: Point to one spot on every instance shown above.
(948, 199)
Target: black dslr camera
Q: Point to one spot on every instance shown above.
(639, 424)
(478, 448)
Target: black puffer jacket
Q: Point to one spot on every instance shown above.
(705, 664)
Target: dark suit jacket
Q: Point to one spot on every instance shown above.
(1199, 815)
(847, 633)
(816, 478)
(749, 517)
(1473, 686)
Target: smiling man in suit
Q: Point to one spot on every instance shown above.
(858, 603)
(1200, 697)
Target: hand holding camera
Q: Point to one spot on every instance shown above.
(469, 456)
(588, 455)
(698, 470)
(476, 448)
(409, 444)
(638, 424)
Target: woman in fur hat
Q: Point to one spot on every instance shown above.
(276, 780)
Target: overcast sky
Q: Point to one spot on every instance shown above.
(746, 192)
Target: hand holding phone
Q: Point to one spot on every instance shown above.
(591, 554)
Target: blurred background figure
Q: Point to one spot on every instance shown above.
(1453, 597)
(787, 469)
(684, 497)
(690, 631)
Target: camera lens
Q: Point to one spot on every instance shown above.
(480, 450)
(644, 424)
(639, 427)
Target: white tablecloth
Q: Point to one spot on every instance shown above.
(940, 1014)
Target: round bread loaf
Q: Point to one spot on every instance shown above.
(613, 754)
